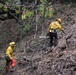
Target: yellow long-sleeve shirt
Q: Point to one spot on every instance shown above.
(9, 52)
(55, 25)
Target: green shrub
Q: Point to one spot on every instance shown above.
(41, 9)
(25, 30)
(1, 5)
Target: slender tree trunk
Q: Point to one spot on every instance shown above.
(36, 24)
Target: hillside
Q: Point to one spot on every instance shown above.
(35, 57)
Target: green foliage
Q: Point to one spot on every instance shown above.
(46, 14)
(50, 12)
(41, 9)
(40, 21)
(17, 12)
(27, 14)
(1, 5)
(5, 8)
(9, 0)
(23, 16)
(44, 11)
(31, 13)
(43, 1)
(24, 8)
(26, 28)
(14, 7)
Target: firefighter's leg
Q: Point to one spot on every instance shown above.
(51, 39)
(7, 63)
(7, 66)
(55, 39)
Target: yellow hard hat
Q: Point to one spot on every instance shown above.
(58, 19)
(12, 43)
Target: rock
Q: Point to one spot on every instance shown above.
(60, 55)
(24, 58)
(3, 17)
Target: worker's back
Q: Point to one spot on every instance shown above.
(55, 25)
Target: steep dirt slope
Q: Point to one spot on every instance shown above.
(34, 57)
(8, 32)
(38, 59)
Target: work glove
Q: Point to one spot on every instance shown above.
(63, 31)
(13, 62)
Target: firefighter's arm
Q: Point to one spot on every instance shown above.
(60, 27)
(63, 30)
(8, 54)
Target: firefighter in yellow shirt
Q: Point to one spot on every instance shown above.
(53, 33)
(9, 56)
